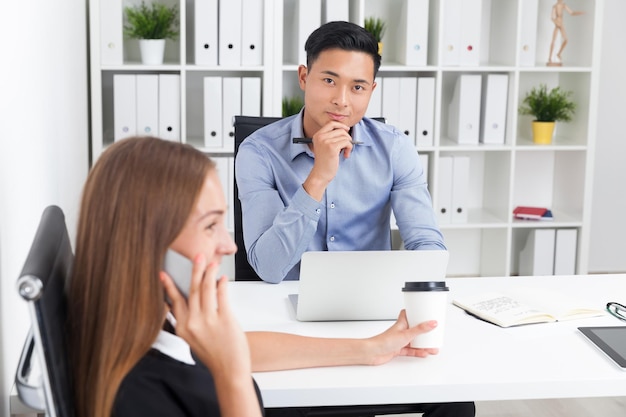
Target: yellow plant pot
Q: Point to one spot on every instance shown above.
(380, 48)
(542, 132)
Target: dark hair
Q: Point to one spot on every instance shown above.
(341, 35)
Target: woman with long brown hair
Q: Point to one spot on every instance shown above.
(129, 356)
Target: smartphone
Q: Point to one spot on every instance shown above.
(179, 268)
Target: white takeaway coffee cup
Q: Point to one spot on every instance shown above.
(425, 301)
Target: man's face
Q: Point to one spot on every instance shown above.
(337, 86)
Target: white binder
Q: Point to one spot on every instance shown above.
(528, 33)
(309, 18)
(147, 104)
(375, 106)
(464, 110)
(565, 252)
(213, 137)
(336, 10)
(111, 32)
(225, 170)
(493, 111)
(461, 32)
(390, 100)
(252, 33)
(537, 256)
(205, 32)
(413, 33)
(450, 47)
(460, 185)
(169, 106)
(407, 104)
(251, 96)
(425, 112)
(229, 38)
(444, 190)
(471, 16)
(231, 107)
(124, 106)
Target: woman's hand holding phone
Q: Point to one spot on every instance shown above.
(206, 322)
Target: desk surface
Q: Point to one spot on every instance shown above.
(479, 361)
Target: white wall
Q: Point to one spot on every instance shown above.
(608, 214)
(43, 143)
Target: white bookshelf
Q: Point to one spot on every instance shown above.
(501, 176)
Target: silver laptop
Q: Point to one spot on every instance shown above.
(361, 285)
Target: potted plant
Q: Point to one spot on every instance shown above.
(547, 107)
(376, 26)
(292, 105)
(152, 25)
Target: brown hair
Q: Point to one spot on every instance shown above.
(135, 202)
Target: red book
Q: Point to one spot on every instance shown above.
(532, 213)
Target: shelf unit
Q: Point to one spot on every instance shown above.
(502, 176)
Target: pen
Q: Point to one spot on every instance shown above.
(309, 140)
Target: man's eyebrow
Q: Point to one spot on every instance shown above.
(357, 80)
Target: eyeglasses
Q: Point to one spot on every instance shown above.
(617, 310)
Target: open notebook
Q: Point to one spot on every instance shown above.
(361, 285)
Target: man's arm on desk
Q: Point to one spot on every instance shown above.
(272, 351)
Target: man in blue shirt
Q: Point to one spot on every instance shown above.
(337, 192)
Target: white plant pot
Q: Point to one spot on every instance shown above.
(152, 51)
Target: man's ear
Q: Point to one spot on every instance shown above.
(302, 73)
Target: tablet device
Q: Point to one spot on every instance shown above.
(610, 340)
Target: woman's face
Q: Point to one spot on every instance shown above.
(205, 229)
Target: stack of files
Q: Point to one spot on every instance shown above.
(493, 111)
(532, 213)
(464, 110)
(413, 33)
(549, 252)
(461, 32)
(224, 98)
(453, 189)
(528, 33)
(225, 35)
(146, 105)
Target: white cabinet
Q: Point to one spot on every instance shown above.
(509, 38)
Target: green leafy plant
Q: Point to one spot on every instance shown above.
(292, 105)
(548, 106)
(376, 26)
(156, 21)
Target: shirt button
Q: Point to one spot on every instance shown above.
(318, 211)
(332, 205)
(332, 238)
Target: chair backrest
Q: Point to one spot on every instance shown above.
(42, 283)
(244, 127)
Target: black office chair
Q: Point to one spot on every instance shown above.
(42, 283)
(244, 127)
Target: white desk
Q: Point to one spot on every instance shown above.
(478, 362)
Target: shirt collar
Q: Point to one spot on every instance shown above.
(173, 346)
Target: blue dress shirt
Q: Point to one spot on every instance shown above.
(281, 221)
